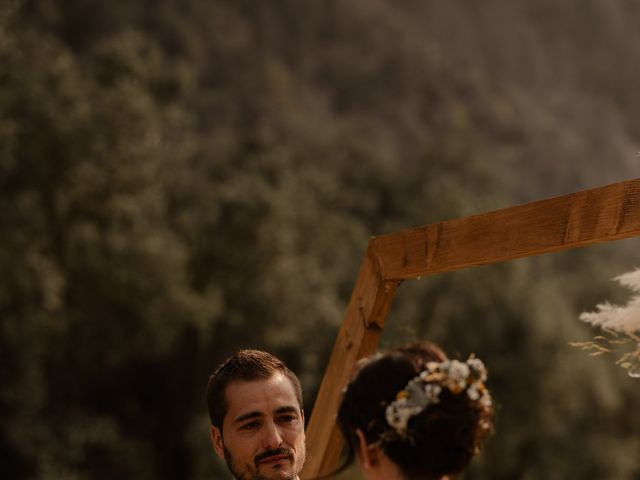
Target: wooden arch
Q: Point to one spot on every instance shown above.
(580, 219)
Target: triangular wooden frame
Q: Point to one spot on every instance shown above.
(580, 219)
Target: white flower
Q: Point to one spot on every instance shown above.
(458, 373)
(433, 392)
(473, 392)
(398, 414)
(478, 366)
(485, 400)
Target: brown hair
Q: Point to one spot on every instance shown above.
(245, 365)
(443, 438)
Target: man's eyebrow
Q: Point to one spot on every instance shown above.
(288, 409)
(247, 416)
(257, 414)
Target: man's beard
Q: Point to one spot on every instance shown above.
(249, 473)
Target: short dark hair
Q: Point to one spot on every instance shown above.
(444, 437)
(245, 365)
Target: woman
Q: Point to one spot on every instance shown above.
(413, 414)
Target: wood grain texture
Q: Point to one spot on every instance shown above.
(580, 219)
(358, 337)
(576, 220)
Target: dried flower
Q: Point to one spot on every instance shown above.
(620, 325)
(425, 389)
(619, 318)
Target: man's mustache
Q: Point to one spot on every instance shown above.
(270, 453)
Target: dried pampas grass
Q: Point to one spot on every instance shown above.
(620, 328)
(624, 319)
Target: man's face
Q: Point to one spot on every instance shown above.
(262, 434)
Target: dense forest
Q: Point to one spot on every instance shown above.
(179, 179)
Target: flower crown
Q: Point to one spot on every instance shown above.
(424, 389)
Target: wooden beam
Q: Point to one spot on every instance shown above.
(576, 220)
(358, 337)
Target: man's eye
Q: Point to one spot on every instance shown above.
(249, 426)
(287, 418)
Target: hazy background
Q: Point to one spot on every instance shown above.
(182, 178)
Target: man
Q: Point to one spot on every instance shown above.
(257, 421)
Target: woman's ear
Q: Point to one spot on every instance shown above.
(367, 454)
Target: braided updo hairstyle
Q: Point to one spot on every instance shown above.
(441, 439)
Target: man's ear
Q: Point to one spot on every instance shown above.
(216, 440)
(367, 454)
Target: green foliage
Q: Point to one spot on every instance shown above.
(179, 179)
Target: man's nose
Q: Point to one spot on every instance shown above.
(272, 437)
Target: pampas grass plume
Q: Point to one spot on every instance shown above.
(626, 318)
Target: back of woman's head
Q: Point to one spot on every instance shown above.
(428, 414)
